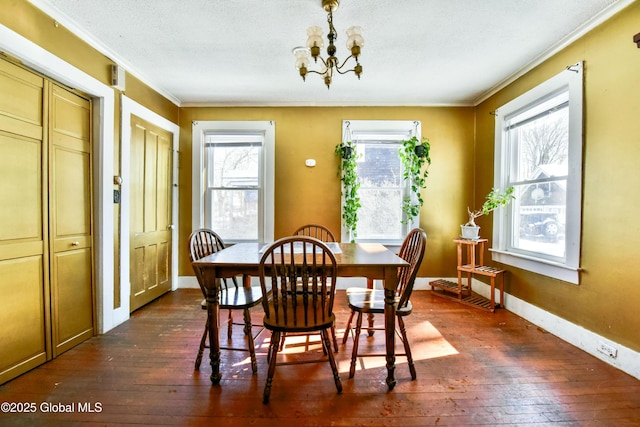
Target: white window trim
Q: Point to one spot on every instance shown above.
(268, 168)
(391, 126)
(568, 271)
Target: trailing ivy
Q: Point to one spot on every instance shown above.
(350, 185)
(414, 156)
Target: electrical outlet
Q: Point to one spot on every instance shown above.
(607, 350)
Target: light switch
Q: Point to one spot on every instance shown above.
(310, 162)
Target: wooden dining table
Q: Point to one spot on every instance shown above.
(370, 260)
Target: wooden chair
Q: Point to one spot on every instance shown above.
(371, 301)
(289, 310)
(205, 242)
(320, 232)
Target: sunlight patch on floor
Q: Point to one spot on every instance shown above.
(430, 345)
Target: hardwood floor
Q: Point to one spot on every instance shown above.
(474, 368)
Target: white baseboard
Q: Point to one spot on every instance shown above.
(188, 282)
(627, 360)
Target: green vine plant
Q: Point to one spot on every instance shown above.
(350, 185)
(415, 157)
(494, 200)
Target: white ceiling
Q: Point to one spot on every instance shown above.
(416, 52)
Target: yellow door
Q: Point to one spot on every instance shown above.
(24, 286)
(46, 280)
(71, 228)
(150, 239)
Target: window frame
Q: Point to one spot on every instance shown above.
(568, 269)
(350, 128)
(267, 170)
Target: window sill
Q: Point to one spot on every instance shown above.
(538, 266)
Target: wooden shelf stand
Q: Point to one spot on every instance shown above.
(471, 262)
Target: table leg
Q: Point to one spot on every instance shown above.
(390, 284)
(370, 331)
(213, 312)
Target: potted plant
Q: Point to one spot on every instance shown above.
(414, 156)
(493, 200)
(346, 151)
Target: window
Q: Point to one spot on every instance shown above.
(233, 171)
(539, 153)
(234, 188)
(382, 188)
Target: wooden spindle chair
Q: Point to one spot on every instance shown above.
(371, 301)
(323, 234)
(285, 265)
(204, 242)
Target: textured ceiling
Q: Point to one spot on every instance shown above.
(416, 52)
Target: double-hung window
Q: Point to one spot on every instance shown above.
(539, 153)
(380, 172)
(233, 179)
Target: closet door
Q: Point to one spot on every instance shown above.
(71, 226)
(24, 285)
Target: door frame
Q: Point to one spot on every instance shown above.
(131, 108)
(39, 59)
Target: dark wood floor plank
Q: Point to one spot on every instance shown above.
(474, 368)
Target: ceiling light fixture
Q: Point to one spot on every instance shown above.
(315, 43)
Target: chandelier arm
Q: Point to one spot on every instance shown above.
(323, 63)
(345, 72)
(343, 64)
(318, 72)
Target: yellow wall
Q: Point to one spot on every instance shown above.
(305, 194)
(606, 301)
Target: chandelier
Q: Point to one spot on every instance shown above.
(315, 43)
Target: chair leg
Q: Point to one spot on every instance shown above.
(333, 338)
(356, 340)
(273, 353)
(407, 349)
(370, 330)
(269, 355)
(230, 325)
(250, 343)
(332, 359)
(203, 344)
(348, 328)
